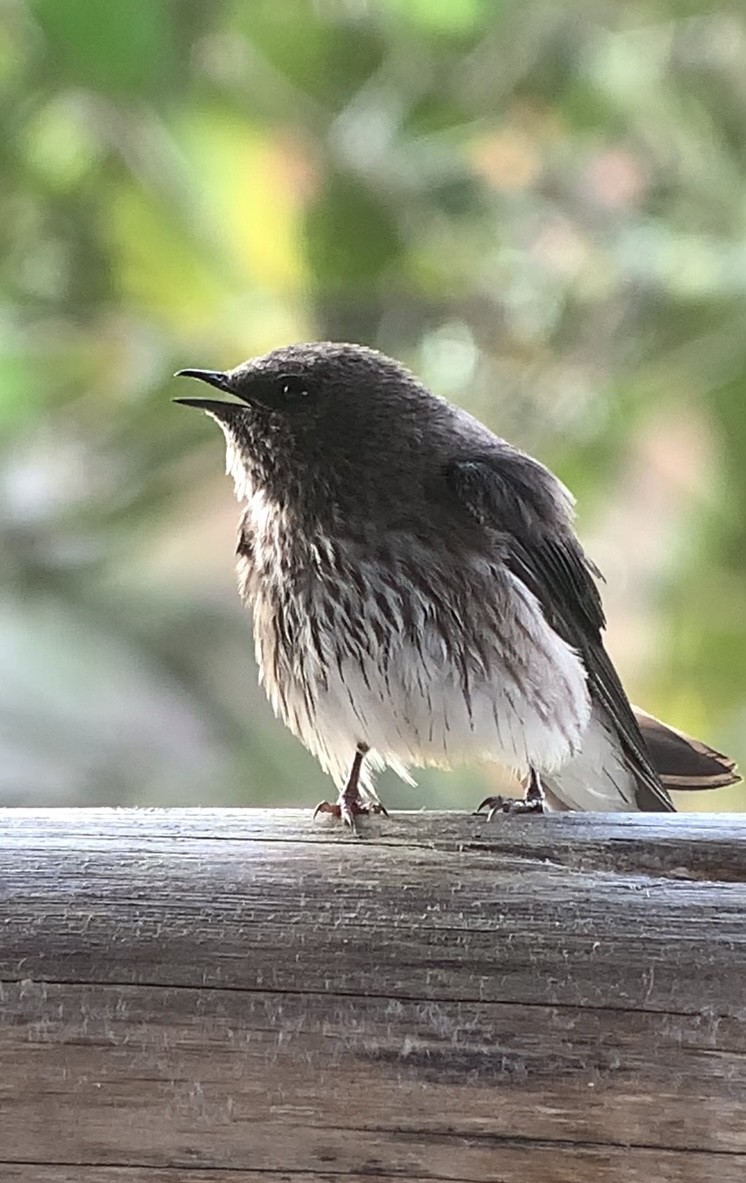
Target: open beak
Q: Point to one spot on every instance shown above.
(214, 378)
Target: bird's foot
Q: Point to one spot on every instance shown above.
(500, 804)
(534, 800)
(351, 803)
(347, 808)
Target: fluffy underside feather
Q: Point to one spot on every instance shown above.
(373, 658)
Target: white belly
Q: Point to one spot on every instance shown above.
(510, 690)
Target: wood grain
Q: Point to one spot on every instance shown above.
(245, 995)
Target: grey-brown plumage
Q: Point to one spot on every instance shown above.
(418, 590)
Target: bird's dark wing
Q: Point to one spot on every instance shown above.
(517, 498)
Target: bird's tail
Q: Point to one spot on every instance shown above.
(682, 762)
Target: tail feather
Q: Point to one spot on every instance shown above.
(681, 761)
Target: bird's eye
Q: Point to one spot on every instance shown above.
(293, 389)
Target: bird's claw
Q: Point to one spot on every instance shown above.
(512, 805)
(348, 810)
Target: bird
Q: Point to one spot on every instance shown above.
(420, 595)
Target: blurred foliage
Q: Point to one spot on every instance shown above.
(540, 207)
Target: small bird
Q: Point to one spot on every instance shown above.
(420, 596)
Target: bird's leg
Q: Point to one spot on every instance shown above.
(533, 800)
(351, 803)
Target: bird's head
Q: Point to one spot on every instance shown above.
(310, 421)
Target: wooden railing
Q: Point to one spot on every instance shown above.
(218, 996)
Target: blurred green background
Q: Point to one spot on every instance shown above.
(540, 207)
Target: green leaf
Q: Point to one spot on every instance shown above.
(350, 236)
(116, 46)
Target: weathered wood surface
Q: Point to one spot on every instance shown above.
(213, 996)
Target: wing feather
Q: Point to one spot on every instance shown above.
(530, 512)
